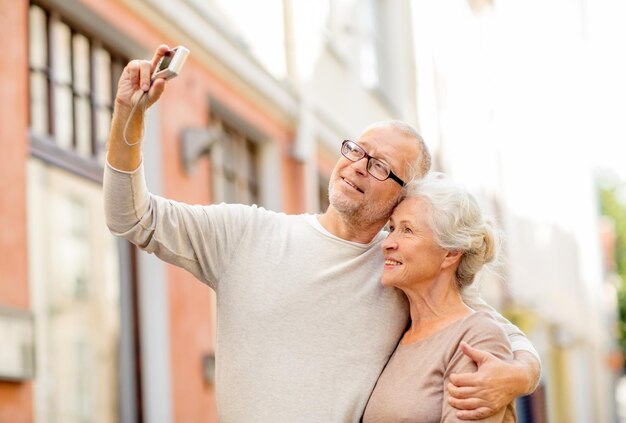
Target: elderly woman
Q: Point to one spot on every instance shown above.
(438, 241)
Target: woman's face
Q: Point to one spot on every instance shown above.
(411, 254)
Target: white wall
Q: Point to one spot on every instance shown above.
(503, 95)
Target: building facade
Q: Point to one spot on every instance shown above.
(97, 330)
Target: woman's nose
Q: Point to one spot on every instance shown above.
(389, 243)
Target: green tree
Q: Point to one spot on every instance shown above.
(614, 206)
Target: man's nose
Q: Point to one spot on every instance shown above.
(361, 165)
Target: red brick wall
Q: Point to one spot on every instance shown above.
(15, 398)
(185, 103)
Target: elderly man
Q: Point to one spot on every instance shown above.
(304, 325)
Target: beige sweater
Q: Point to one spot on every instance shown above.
(412, 388)
(304, 326)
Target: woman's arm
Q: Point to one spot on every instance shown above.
(497, 382)
(489, 340)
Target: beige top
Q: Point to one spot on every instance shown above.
(412, 385)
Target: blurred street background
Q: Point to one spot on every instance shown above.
(521, 101)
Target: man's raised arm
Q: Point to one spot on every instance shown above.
(133, 83)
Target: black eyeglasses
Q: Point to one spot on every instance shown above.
(379, 170)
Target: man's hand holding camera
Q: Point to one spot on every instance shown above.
(134, 82)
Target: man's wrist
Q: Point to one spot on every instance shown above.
(523, 379)
(121, 111)
(527, 372)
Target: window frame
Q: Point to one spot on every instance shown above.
(45, 146)
(249, 142)
(235, 165)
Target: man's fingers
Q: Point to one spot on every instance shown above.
(466, 404)
(133, 72)
(479, 413)
(136, 81)
(158, 86)
(145, 72)
(158, 53)
(464, 379)
(461, 392)
(139, 72)
(478, 356)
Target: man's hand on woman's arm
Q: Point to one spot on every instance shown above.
(134, 81)
(495, 384)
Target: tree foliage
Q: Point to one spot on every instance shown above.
(614, 207)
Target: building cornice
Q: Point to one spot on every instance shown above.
(216, 49)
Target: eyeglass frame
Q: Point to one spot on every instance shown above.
(391, 175)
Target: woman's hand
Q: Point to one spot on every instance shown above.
(494, 385)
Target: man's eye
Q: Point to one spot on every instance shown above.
(390, 228)
(380, 167)
(408, 230)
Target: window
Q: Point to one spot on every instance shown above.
(354, 27)
(369, 46)
(72, 83)
(74, 273)
(234, 162)
(75, 298)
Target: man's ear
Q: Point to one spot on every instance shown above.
(452, 258)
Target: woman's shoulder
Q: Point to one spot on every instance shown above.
(480, 317)
(483, 325)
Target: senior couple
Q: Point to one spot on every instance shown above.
(331, 318)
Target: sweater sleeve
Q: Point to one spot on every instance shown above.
(485, 334)
(200, 239)
(517, 338)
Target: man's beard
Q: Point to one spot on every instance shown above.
(360, 214)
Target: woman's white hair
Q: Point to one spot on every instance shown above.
(457, 223)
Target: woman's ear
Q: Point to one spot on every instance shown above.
(452, 258)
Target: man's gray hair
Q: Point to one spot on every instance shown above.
(421, 166)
